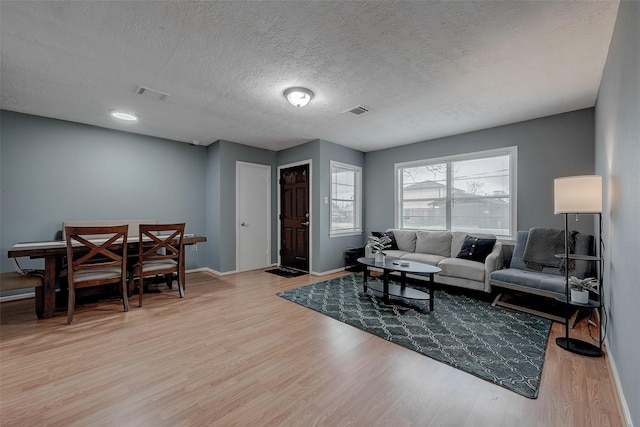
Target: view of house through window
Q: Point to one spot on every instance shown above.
(472, 192)
(346, 199)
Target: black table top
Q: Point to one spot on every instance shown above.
(393, 264)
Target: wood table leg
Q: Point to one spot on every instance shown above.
(49, 288)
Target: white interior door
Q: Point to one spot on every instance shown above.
(253, 216)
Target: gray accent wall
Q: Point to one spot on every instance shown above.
(327, 253)
(331, 252)
(53, 171)
(548, 148)
(221, 195)
(308, 151)
(617, 134)
(212, 209)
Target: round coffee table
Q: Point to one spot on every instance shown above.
(393, 265)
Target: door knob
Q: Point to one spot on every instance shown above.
(244, 224)
(306, 223)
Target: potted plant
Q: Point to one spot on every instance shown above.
(580, 288)
(377, 245)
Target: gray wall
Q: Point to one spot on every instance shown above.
(327, 253)
(52, 171)
(550, 147)
(308, 151)
(617, 160)
(212, 209)
(223, 156)
(331, 251)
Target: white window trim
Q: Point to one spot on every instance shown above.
(513, 165)
(358, 199)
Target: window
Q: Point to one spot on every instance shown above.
(473, 192)
(346, 199)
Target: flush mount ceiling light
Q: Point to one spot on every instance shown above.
(124, 115)
(298, 96)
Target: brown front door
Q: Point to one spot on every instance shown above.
(294, 217)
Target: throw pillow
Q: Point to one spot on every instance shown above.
(476, 248)
(394, 244)
(388, 233)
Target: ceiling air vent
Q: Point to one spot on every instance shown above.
(151, 94)
(359, 110)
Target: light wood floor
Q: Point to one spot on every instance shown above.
(234, 353)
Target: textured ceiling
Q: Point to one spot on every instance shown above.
(425, 69)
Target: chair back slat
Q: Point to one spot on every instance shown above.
(160, 251)
(96, 255)
(162, 246)
(99, 251)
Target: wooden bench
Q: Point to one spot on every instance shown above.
(12, 280)
(132, 223)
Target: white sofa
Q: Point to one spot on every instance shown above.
(441, 248)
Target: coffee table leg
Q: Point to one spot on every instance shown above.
(385, 281)
(431, 293)
(365, 278)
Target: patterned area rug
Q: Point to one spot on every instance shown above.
(499, 345)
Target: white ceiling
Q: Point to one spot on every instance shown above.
(425, 69)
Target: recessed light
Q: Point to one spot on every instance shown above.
(124, 115)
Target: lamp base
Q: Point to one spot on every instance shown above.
(579, 347)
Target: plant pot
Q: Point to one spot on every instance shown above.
(379, 258)
(579, 296)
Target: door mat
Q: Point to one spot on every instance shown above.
(286, 272)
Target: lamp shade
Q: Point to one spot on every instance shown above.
(578, 194)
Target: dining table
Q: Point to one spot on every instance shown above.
(55, 251)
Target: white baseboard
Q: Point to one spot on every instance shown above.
(616, 379)
(212, 271)
(325, 273)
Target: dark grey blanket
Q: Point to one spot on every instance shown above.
(542, 246)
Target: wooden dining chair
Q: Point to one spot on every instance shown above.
(96, 256)
(160, 252)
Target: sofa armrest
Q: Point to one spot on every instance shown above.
(492, 263)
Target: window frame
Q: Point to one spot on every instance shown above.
(357, 170)
(511, 151)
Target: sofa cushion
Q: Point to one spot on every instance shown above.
(433, 242)
(584, 246)
(406, 240)
(423, 258)
(394, 253)
(518, 251)
(476, 248)
(463, 268)
(529, 279)
(581, 269)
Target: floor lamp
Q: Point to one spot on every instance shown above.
(580, 195)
